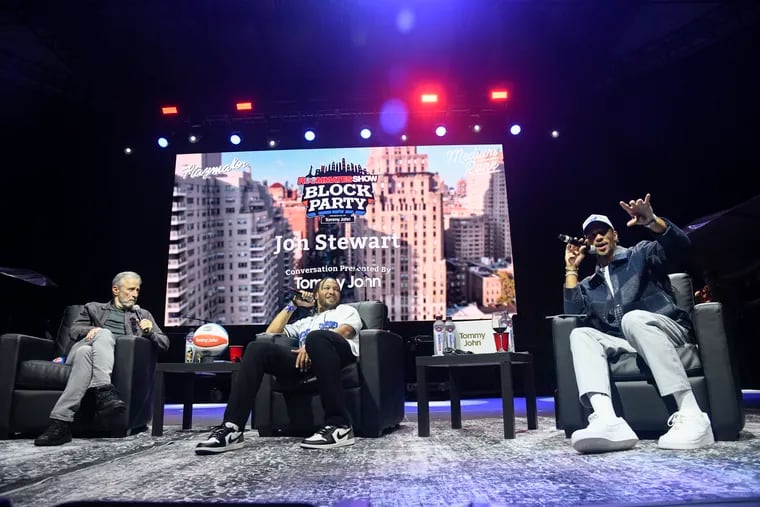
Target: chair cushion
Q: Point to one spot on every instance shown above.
(38, 374)
(349, 379)
(632, 367)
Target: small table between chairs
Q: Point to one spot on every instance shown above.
(504, 360)
(188, 370)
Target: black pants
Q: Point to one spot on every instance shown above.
(329, 353)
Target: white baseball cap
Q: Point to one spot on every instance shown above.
(596, 218)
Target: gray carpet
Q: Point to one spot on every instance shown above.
(452, 467)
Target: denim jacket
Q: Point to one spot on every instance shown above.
(640, 280)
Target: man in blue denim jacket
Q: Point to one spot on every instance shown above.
(630, 307)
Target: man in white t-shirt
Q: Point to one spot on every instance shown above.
(323, 343)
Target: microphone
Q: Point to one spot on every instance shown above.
(577, 242)
(136, 309)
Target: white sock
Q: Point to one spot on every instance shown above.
(602, 405)
(686, 401)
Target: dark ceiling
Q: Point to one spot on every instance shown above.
(124, 59)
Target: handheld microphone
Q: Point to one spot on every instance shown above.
(136, 309)
(577, 242)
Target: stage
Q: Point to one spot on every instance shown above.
(471, 466)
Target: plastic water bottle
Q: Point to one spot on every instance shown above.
(189, 346)
(511, 334)
(451, 334)
(438, 337)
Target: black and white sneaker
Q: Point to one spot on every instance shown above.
(330, 436)
(226, 437)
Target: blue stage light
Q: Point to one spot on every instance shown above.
(235, 139)
(515, 129)
(365, 133)
(163, 142)
(309, 135)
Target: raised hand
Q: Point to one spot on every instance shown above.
(305, 299)
(640, 211)
(574, 255)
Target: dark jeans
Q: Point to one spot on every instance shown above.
(329, 353)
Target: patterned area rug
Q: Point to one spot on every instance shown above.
(452, 467)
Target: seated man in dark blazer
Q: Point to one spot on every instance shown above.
(91, 358)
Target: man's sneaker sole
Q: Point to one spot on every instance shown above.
(51, 443)
(595, 445)
(342, 443)
(204, 451)
(688, 446)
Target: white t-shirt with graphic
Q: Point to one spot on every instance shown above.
(330, 320)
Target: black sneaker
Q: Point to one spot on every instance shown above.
(107, 402)
(330, 436)
(59, 432)
(226, 437)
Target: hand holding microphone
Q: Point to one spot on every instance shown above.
(302, 298)
(145, 325)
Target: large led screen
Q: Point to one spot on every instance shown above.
(423, 228)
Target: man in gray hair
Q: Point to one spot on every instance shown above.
(95, 332)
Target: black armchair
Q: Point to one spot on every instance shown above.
(634, 394)
(374, 386)
(30, 383)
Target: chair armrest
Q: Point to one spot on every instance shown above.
(569, 411)
(381, 360)
(15, 348)
(724, 394)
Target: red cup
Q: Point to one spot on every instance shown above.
(505, 342)
(497, 341)
(236, 353)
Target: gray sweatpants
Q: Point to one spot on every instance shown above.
(91, 366)
(654, 337)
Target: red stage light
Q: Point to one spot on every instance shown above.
(244, 106)
(429, 98)
(499, 95)
(169, 110)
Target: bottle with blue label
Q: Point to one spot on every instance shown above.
(438, 336)
(189, 355)
(451, 334)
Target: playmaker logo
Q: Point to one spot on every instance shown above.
(337, 192)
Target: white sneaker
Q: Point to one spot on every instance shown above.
(223, 438)
(604, 434)
(330, 436)
(688, 430)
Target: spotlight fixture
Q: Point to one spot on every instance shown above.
(163, 142)
(515, 129)
(476, 128)
(365, 133)
(555, 134)
(309, 135)
(272, 143)
(499, 95)
(235, 139)
(440, 131)
(193, 138)
(403, 138)
(127, 150)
